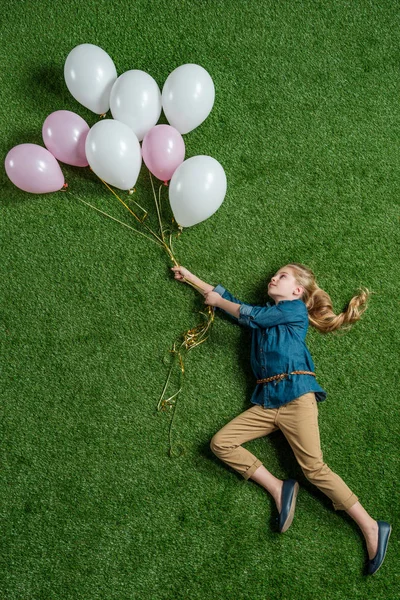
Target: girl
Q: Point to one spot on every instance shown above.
(287, 392)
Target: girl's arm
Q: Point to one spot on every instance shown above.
(213, 295)
(183, 274)
(230, 307)
(284, 313)
(221, 298)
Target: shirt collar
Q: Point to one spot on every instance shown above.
(282, 301)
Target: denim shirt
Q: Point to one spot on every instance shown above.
(277, 346)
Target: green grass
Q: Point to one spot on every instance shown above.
(306, 126)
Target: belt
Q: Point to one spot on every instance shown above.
(282, 376)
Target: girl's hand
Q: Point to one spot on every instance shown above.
(212, 298)
(181, 273)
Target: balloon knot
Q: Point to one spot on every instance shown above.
(65, 185)
(103, 116)
(166, 183)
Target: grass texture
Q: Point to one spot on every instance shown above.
(306, 125)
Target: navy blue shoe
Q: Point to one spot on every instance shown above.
(384, 530)
(290, 490)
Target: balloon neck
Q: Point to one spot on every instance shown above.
(103, 116)
(166, 183)
(64, 187)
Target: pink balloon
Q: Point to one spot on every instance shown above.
(33, 169)
(64, 135)
(163, 151)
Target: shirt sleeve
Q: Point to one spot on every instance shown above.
(293, 312)
(228, 296)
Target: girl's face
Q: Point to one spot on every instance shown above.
(283, 286)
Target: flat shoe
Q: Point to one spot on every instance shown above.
(290, 490)
(384, 530)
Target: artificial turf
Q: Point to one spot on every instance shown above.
(306, 126)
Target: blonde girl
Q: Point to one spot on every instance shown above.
(287, 393)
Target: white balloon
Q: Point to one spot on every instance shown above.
(188, 97)
(196, 190)
(113, 153)
(90, 74)
(136, 101)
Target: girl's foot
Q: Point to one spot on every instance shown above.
(368, 526)
(290, 490)
(384, 531)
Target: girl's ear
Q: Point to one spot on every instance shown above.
(299, 291)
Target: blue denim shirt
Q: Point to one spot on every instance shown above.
(277, 346)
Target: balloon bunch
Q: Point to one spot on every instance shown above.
(111, 147)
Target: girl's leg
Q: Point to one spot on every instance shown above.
(298, 421)
(270, 483)
(368, 526)
(226, 444)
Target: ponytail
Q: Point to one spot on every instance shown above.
(322, 316)
(319, 304)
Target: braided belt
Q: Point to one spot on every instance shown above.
(282, 376)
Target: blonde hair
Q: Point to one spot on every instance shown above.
(319, 305)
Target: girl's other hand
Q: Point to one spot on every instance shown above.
(181, 273)
(212, 298)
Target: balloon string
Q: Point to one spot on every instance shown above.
(191, 338)
(158, 208)
(180, 449)
(129, 227)
(126, 206)
(113, 218)
(160, 240)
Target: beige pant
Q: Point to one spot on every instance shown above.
(298, 421)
